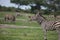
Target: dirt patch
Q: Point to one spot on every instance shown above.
(15, 26)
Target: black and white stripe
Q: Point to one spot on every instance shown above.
(47, 25)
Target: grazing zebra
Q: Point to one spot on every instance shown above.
(9, 17)
(46, 25)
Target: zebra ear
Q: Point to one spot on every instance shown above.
(37, 13)
(40, 14)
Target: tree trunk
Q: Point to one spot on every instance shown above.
(18, 6)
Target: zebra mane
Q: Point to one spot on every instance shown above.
(42, 16)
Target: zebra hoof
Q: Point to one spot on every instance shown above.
(45, 39)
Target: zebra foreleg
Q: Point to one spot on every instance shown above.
(58, 31)
(45, 34)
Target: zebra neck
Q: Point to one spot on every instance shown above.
(41, 21)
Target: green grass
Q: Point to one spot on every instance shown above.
(25, 34)
(3, 13)
(19, 22)
(26, 23)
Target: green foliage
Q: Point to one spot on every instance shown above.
(53, 5)
(50, 4)
(26, 2)
(3, 8)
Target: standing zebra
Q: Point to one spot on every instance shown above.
(46, 25)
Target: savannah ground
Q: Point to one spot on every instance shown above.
(28, 30)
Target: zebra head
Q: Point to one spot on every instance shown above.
(32, 18)
(37, 17)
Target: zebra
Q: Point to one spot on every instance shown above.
(9, 17)
(46, 25)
